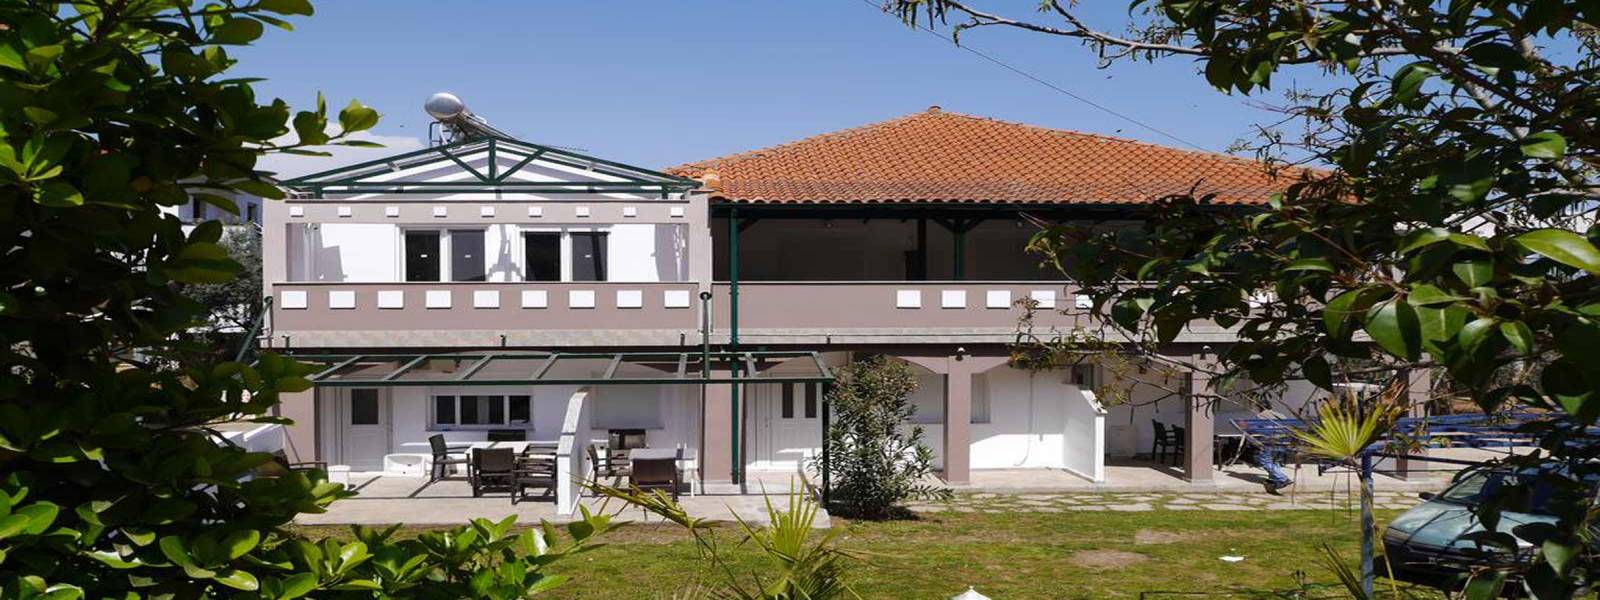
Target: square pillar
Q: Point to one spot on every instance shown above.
(1419, 390)
(716, 441)
(1199, 423)
(300, 437)
(958, 425)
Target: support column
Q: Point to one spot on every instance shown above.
(1419, 390)
(958, 424)
(1199, 425)
(958, 372)
(716, 445)
(300, 437)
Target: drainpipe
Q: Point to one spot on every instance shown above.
(733, 342)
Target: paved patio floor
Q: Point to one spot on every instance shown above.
(388, 499)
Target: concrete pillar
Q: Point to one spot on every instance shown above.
(958, 372)
(958, 425)
(1419, 390)
(299, 438)
(1199, 425)
(716, 441)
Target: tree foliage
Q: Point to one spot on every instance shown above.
(1438, 208)
(113, 479)
(876, 462)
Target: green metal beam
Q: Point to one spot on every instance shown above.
(518, 167)
(463, 164)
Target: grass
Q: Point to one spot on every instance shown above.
(1013, 555)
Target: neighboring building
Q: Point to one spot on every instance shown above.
(905, 238)
(195, 211)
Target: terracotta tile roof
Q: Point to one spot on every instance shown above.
(937, 156)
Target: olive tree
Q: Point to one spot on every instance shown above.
(113, 480)
(1438, 210)
(878, 460)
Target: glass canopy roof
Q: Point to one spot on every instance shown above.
(562, 368)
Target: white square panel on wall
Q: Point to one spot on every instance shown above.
(675, 298)
(908, 298)
(1083, 301)
(485, 299)
(953, 299)
(292, 299)
(486, 211)
(391, 299)
(535, 211)
(297, 211)
(580, 299)
(391, 211)
(535, 299)
(1044, 298)
(344, 211)
(676, 211)
(583, 211)
(441, 211)
(997, 299)
(436, 299)
(630, 211)
(342, 299)
(630, 299)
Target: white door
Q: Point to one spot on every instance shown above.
(363, 416)
(788, 419)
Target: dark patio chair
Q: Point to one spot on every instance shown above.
(603, 464)
(534, 469)
(1167, 441)
(492, 468)
(657, 474)
(442, 458)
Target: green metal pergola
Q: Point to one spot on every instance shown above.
(374, 177)
(567, 368)
(588, 368)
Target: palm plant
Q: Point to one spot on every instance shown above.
(1344, 431)
(800, 564)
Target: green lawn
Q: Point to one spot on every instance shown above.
(1017, 555)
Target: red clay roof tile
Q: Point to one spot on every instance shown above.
(937, 156)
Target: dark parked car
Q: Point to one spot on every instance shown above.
(1433, 543)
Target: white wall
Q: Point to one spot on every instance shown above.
(348, 252)
(645, 252)
(1027, 421)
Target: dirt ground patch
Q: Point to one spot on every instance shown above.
(1151, 536)
(1100, 560)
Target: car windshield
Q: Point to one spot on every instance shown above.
(1527, 492)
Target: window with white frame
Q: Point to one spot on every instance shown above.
(480, 411)
(445, 255)
(980, 399)
(565, 255)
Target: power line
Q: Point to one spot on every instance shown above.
(1004, 65)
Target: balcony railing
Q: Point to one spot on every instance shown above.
(812, 306)
(302, 308)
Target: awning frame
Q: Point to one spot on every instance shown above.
(739, 367)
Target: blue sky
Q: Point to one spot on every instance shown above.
(662, 83)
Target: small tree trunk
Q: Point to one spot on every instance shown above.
(1367, 526)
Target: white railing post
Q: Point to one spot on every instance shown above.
(570, 466)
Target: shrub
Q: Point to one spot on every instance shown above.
(876, 463)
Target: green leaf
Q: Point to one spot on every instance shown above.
(1484, 586)
(239, 543)
(1475, 271)
(1520, 336)
(1474, 334)
(239, 580)
(1545, 144)
(1427, 294)
(297, 585)
(1422, 238)
(1408, 80)
(59, 194)
(1341, 309)
(1560, 553)
(1393, 325)
(259, 188)
(41, 515)
(1310, 264)
(1562, 246)
(240, 30)
(1564, 381)
(357, 117)
(288, 7)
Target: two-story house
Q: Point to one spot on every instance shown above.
(472, 288)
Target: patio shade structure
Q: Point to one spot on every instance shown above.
(581, 368)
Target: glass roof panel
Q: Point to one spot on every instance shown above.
(585, 368)
(568, 368)
(366, 368)
(654, 366)
(510, 368)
